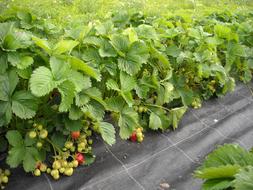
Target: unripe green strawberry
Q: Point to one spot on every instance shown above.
(49, 170)
(140, 139)
(72, 149)
(56, 165)
(43, 134)
(75, 163)
(81, 145)
(54, 172)
(7, 172)
(139, 135)
(64, 163)
(82, 137)
(37, 172)
(40, 127)
(61, 170)
(39, 144)
(68, 144)
(68, 171)
(32, 134)
(139, 130)
(141, 109)
(70, 165)
(5, 179)
(90, 141)
(96, 127)
(84, 141)
(145, 109)
(89, 133)
(56, 177)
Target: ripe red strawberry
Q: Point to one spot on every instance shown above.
(75, 135)
(80, 158)
(133, 137)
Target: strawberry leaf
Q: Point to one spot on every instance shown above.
(127, 82)
(64, 46)
(128, 120)
(14, 138)
(226, 171)
(30, 159)
(107, 132)
(15, 156)
(44, 44)
(217, 184)
(155, 121)
(79, 65)
(24, 104)
(42, 81)
(244, 179)
(67, 91)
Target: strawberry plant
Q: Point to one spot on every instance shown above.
(57, 86)
(227, 167)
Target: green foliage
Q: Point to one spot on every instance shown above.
(227, 171)
(21, 152)
(22, 103)
(243, 180)
(128, 121)
(107, 132)
(155, 121)
(143, 71)
(217, 184)
(222, 156)
(229, 166)
(62, 12)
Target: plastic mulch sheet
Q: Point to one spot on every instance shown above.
(162, 161)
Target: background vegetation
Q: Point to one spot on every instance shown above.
(63, 11)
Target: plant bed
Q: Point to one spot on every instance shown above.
(154, 162)
(145, 72)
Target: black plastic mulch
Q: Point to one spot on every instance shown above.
(162, 161)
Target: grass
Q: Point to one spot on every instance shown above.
(63, 11)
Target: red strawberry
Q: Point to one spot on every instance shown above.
(80, 158)
(133, 137)
(75, 135)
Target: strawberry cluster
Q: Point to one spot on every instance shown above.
(4, 177)
(137, 135)
(141, 109)
(69, 157)
(63, 164)
(39, 133)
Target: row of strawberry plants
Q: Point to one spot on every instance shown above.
(58, 85)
